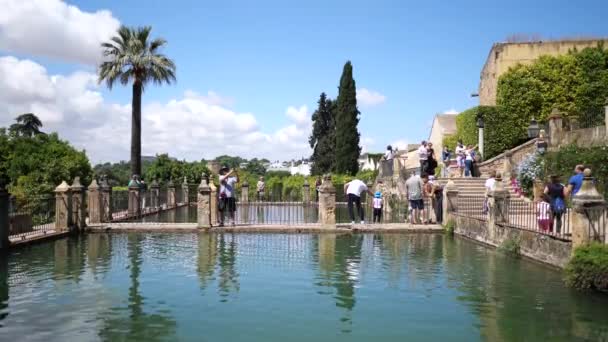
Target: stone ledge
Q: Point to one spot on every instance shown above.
(307, 228)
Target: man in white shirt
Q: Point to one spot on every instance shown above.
(423, 156)
(227, 202)
(261, 188)
(489, 185)
(353, 190)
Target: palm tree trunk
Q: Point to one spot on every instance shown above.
(136, 129)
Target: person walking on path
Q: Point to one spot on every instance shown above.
(414, 187)
(557, 199)
(378, 205)
(227, 203)
(446, 155)
(423, 156)
(575, 182)
(389, 155)
(261, 188)
(353, 190)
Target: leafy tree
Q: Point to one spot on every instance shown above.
(165, 168)
(347, 119)
(133, 57)
(230, 161)
(256, 167)
(27, 125)
(323, 137)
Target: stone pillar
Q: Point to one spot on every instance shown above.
(204, 205)
(480, 143)
(450, 200)
(396, 166)
(498, 203)
(134, 200)
(78, 208)
(185, 191)
(507, 166)
(171, 200)
(4, 220)
(213, 201)
(327, 203)
(538, 189)
(154, 195)
(245, 192)
(94, 203)
(606, 117)
(106, 200)
(63, 207)
(589, 205)
(306, 192)
(556, 129)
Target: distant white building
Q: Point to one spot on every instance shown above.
(302, 169)
(294, 168)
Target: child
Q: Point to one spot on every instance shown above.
(543, 212)
(378, 204)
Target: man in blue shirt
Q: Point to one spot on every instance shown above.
(576, 181)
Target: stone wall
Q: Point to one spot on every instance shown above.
(533, 245)
(593, 136)
(517, 155)
(502, 56)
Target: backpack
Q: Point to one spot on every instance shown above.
(558, 205)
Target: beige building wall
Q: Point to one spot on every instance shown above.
(502, 56)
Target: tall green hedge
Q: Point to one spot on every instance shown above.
(498, 136)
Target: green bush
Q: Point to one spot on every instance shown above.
(510, 247)
(588, 268)
(563, 161)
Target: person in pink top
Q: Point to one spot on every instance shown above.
(543, 213)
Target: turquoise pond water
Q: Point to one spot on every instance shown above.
(286, 287)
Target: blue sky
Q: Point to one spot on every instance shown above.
(424, 57)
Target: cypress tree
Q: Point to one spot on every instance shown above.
(322, 139)
(347, 119)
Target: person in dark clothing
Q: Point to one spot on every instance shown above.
(432, 160)
(557, 194)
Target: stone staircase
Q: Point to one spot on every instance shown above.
(472, 190)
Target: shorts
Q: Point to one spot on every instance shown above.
(227, 204)
(417, 204)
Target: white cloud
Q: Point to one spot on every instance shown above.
(369, 97)
(212, 98)
(54, 29)
(191, 127)
(366, 144)
(401, 145)
(451, 112)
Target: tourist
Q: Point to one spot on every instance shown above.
(557, 198)
(432, 160)
(389, 155)
(446, 155)
(468, 161)
(576, 181)
(437, 198)
(460, 157)
(318, 186)
(144, 189)
(428, 192)
(353, 190)
(489, 186)
(378, 206)
(423, 157)
(543, 213)
(227, 202)
(261, 188)
(414, 187)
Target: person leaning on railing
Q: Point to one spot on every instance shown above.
(557, 201)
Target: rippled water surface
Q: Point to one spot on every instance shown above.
(250, 287)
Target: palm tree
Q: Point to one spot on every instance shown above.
(27, 125)
(133, 57)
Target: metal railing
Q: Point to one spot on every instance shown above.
(472, 206)
(526, 216)
(31, 217)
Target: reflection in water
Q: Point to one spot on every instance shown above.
(138, 325)
(3, 286)
(228, 276)
(149, 287)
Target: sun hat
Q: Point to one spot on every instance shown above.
(378, 194)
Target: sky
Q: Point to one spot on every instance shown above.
(249, 73)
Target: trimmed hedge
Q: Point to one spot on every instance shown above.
(588, 268)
